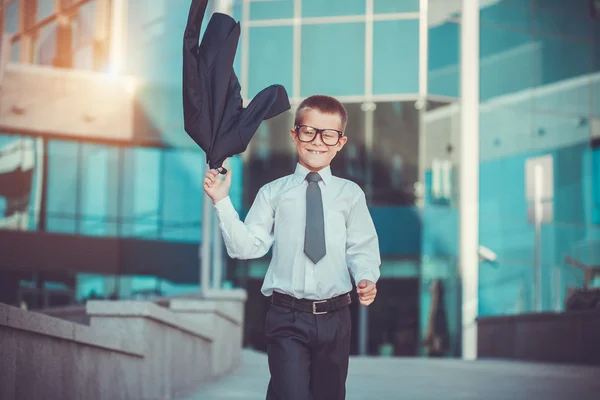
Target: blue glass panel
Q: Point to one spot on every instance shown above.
(571, 97)
(443, 59)
(271, 9)
(596, 97)
(596, 47)
(395, 6)
(552, 61)
(62, 186)
(320, 8)
(518, 3)
(596, 186)
(237, 181)
(237, 11)
(395, 153)
(89, 286)
(396, 57)
(182, 195)
(399, 230)
(146, 181)
(552, 23)
(506, 129)
(508, 61)
(115, 197)
(270, 61)
(19, 165)
(333, 59)
(94, 193)
(563, 7)
(121, 183)
(507, 15)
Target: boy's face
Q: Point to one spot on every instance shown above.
(316, 155)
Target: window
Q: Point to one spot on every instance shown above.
(270, 58)
(94, 193)
(596, 186)
(58, 42)
(396, 57)
(19, 182)
(443, 59)
(396, 6)
(331, 8)
(395, 156)
(260, 10)
(182, 194)
(62, 186)
(333, 59)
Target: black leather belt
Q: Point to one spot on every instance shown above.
(312, 306)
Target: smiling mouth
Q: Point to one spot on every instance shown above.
(315, 152)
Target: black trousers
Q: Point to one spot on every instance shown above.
(308, 354)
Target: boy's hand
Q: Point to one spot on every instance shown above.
(215, 187)
(367, 291)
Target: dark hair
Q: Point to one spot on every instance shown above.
(324, 104)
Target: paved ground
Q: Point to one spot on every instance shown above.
(427, 379)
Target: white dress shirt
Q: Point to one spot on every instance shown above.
(278, 218)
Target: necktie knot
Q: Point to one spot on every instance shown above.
(313, 177)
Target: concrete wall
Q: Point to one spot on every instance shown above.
(569, 337)
(131, 350)
(33, 99)
(225, 313)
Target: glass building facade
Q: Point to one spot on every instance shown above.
(395, 66)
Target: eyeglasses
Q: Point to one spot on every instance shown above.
(307, 134)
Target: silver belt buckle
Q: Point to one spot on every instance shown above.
(315, 307)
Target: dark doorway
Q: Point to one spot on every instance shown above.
(393, 319)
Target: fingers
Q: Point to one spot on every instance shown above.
(367, 291)
(365, 286)
(366, 302)
(210, 177)
(367, 299)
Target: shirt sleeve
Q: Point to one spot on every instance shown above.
(249, 239)
(362, 244)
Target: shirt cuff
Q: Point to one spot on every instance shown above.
(368, 275)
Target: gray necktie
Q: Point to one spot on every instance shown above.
(314, 236)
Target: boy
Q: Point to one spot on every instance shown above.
(322, 234)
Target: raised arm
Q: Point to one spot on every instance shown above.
(243, 240)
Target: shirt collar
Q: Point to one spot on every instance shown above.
(301, 172)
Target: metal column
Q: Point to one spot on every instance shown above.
(469, 174)
(205, 241)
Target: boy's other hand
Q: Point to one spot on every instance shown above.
(215, 187)
(367, 291)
